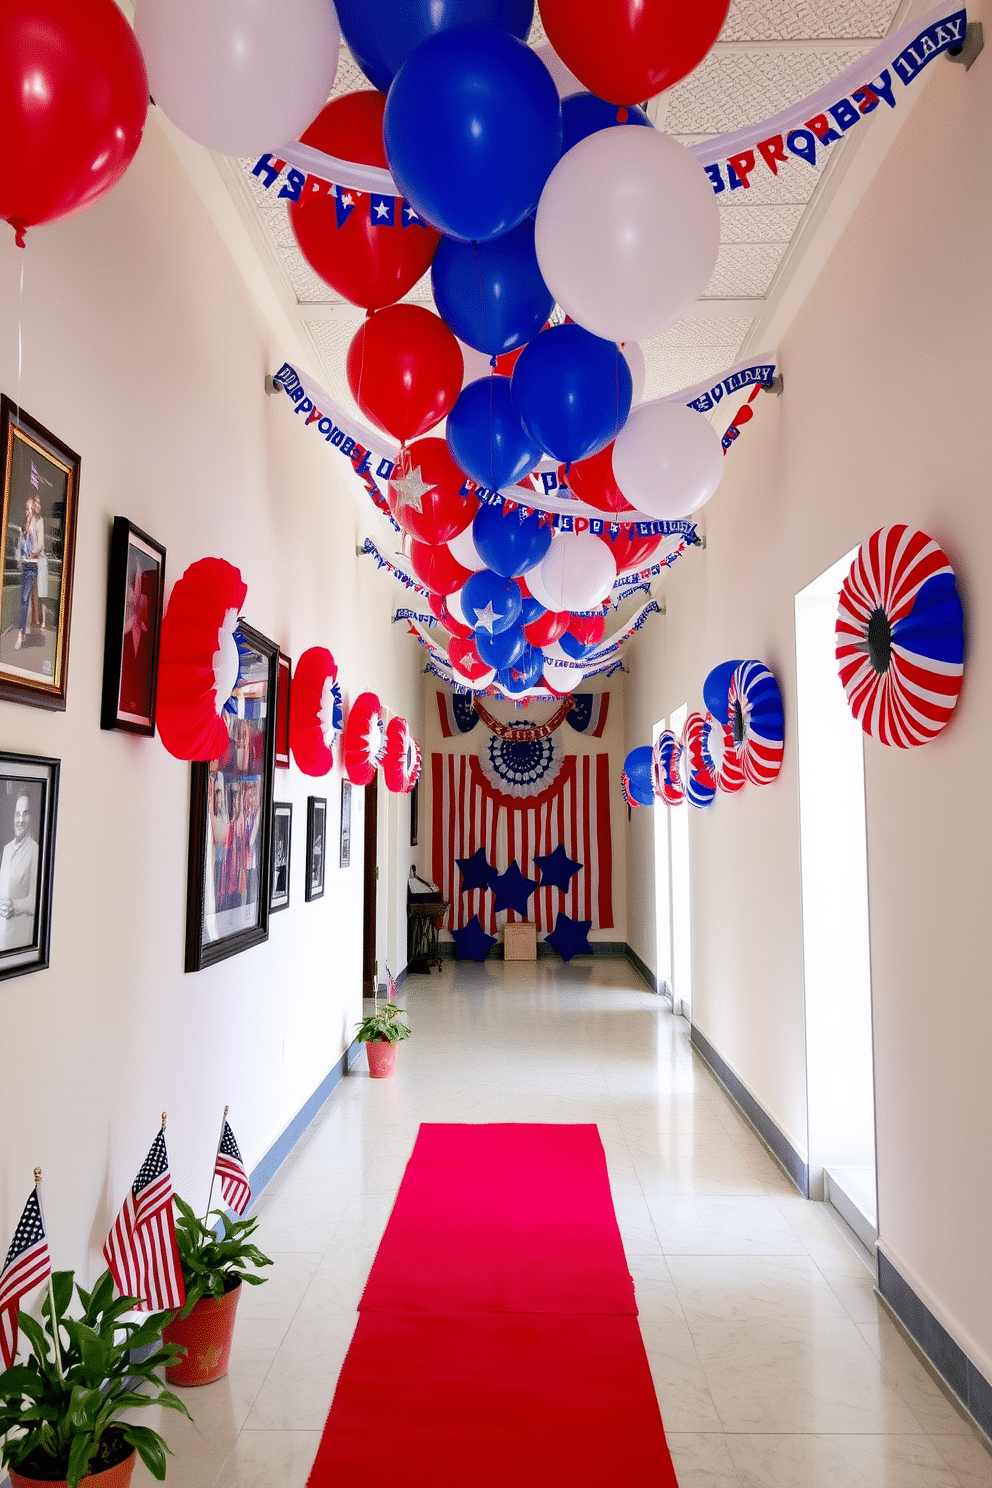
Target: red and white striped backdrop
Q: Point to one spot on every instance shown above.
(468, 813)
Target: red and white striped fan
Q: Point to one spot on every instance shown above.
(401, 761)
(900, 637)
(720, 753)
(364, 739)
(665, 757)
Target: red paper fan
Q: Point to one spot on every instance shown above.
(401, 761)
(720, 755)
(316, 711)
(364, 739)
(198, 659)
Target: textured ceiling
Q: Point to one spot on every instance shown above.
(770, 54)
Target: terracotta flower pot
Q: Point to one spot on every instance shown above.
(118, 1476)
(382, 1058)
(207, 1335)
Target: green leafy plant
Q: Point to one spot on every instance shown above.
(383, 1027)
(213, 1264)
(65, 1424)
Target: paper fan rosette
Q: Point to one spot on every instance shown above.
(900, 637)
(401, 761)
(364, 739)
(700, 786)
(757, 720)
(720, 755)
(665, 756)
(199, 661)
(316, 711)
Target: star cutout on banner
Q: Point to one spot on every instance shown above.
(472, 943)
(477, 872)
(410, 490)
(513, 890)
(381, 210)
(485, 619)
(348, 200)
(570, 937)
(411, 215)
(557, 869)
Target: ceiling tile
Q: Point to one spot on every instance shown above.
(731, 89)
(744, 270)
(753, 20)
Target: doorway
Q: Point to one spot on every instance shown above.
(836, 951)
(680, 899)
(662, 890)
(370, 966)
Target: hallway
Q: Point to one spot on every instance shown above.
(774, 1364)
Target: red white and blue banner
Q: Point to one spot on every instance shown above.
(589, 713)
(456, 711)
(470, 812)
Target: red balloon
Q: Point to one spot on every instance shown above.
(588, 629)
(439, 609)
(630, 549)
(373, 256)
(425, 493)
(465, 659)
(549, 627)
(405, 370)
(73, 100)
(626, 53)
(436, 566)
(593, 482)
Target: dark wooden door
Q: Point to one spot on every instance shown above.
(371, 874)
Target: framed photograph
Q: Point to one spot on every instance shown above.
(285, 670)
(29, 798)
(40, 490)
(230, 818)
(135, 590)
(316, 845)
(345, 823)
(414, 814)
(282, 835)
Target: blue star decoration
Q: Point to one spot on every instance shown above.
(472, 943)
(477, 872)
(570, 937)
(512, 890)
(557, 869)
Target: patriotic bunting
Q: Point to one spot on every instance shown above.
(456, 712)
(589, 713)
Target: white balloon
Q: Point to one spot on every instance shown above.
(634, 357)
(240, 76)
(667, 460)
(561, 678)
(538, 589)
(627, 232)
(478, 683)
(566, 82)
(456, 608)
(578, 571)
(465, 552)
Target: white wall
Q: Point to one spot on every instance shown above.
(884, 419)
(144, 352)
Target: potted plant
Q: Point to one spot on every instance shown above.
(213, 1266)
(60, 1411)
(380, 1032)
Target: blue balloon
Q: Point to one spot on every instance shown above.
(487, 439)
(637, 775)
(509, 542)
(382, 34)
(472, 131)
(572, 391)
(501, 651)
(528, 667)
(491, 603)
(573, 647)
(583, 114)
(716, 689)
(492, 294)
(532, 610)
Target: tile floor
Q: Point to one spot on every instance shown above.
(774, 1362)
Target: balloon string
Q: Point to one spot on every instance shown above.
(20, 335)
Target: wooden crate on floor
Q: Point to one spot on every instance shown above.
(520, 942)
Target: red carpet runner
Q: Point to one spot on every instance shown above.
(497, 1341)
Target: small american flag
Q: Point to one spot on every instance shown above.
(141, 1247)
(230, 1169)
(27, 1263)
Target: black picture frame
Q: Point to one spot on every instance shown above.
(230, 833)
(36, 466)
(414, 814)
(26, 917)
(282, 847)
(316, 846)
(135, 595)
(284, 677)
(344, 860)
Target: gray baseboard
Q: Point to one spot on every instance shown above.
(643, 969)
(269, 1164)
(772, 1136)
(615, 949)
(947, 1357)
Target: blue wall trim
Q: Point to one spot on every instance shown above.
(948, 1358)
(642, 968)
(773, 1137)
(617, 950)
(269, 1164)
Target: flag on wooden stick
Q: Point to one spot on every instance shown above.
(28, 1263)
(230, 1169)
(141, 1247)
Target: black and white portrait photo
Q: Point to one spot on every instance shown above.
(28, 796)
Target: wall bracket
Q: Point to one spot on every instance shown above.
(974, 42)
